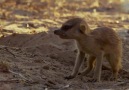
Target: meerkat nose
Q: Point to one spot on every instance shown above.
(56, 31)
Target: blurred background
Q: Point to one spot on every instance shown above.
(41, 5)
(58, 8)
(52, 13)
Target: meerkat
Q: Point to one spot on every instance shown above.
(98, 43)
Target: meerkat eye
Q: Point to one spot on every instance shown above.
(80, 31)
(66, 27)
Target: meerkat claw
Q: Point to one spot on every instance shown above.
(92, 80)
(69, 77)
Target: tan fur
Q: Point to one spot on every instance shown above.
(98, 43)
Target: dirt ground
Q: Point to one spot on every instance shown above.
(33, 58)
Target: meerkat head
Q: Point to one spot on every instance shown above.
(73, 29)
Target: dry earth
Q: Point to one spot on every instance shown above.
(33, 58)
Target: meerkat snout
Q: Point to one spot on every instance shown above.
(60, 33)
(56, 32)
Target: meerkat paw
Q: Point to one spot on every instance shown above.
(82, 73)
(86, 74)
(93, 80)
(112, 78)
(69, 77)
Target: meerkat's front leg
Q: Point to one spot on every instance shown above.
(78, 62)
(90, 65)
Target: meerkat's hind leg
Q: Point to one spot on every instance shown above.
(115, 62)
(98, 67)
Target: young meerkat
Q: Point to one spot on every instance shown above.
(98, 43)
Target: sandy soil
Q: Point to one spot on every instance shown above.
(33, 58)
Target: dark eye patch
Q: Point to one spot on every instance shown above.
(66, 27)
(80, 31)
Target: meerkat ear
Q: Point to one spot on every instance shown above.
(82, 28)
